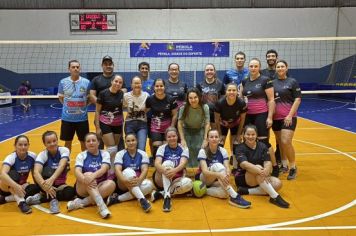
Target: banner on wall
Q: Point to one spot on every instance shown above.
(5, 101)
(186, 49)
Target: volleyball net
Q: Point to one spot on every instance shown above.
(317, 63)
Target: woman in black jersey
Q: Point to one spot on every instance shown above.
(110, 116)
(230, 112)
(164, 113)
(254, 168)
(288, 97)
(258, 93)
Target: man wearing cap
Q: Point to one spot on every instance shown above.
(103, 81)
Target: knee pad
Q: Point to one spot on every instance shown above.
(112, 149)
(32, 189)
(146, 186)
(217, 167)
(66, 194)
(168, 164)
(129, 173)
(14, 175)
(266, 142)
(181, 186)
(47, 172)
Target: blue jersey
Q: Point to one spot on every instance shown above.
(45, 159)
(23, 167)
(235, 76)
(91, 163)
(75, 99)
(220, 156)
(172, 154)
(147, 86)
(124, 159)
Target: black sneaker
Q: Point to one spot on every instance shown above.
(112, 199)
(24, 207)
(155, 195)
(292, 173)
(146, 206)
(275, 171)
(279, 201)
(167, 204)
(2, 199)
(243, 191)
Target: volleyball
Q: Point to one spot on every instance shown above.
(199, 188)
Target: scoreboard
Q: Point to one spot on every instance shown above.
(93, 21)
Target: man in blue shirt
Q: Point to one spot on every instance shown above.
(238, 74)
(73, 94)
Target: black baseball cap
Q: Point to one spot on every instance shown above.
(107, 58)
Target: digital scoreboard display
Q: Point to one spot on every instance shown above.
(93, 21)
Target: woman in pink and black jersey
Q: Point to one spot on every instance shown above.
(258, 92)
(287, 97)
(164, 110)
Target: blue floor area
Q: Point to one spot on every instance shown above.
(330, 111)
(335, 112)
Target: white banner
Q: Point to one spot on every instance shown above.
(7, 100)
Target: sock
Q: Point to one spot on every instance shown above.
(86, 201)
(231, 191)
(285, 163)
(136, 191)
(125, 197)
(18, 199)
(256, 191)
(10, 198)
(292, 165)
(98, 200)
(166, 185)
(267, 187)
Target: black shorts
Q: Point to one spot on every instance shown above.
(259, 120)
(240, 181)
(225, 130)
(106, 129)
(278, 125)
(157, 136)
(68, 129)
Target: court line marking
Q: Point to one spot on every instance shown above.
(326, 147)
(266, 227)
(269, 229)
(327, 125)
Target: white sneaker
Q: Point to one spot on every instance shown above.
(104, 211)
(75, 204)
(54, 206)
(34, 200)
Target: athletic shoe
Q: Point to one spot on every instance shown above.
(104, 211)
(75, 204)
(155, 195)
(112, 199)
(146, 206)
(279, 201)
(284, 169)
(54, 206)
(292, 173)
(24, 207)
(167, 204)
(34, 200)
(2, 199)
(275, 171)
(243, 191)
(238, 201)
